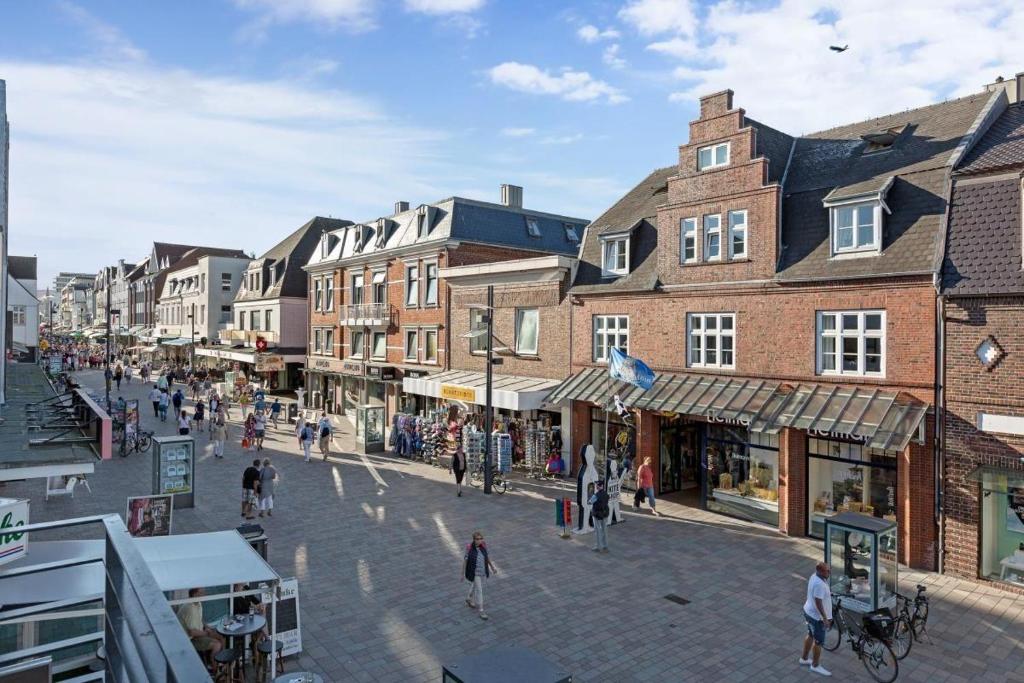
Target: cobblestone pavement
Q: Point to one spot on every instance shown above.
(376, 544)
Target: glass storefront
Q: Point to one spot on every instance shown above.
(679, 456)
(352, 395)
(621, 436)
(742, 473)
(1002, 526)
(843, 476)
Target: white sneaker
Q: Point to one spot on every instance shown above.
(805, 662)
(821, 670)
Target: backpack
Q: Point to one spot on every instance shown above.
(600, 508)
(325, 432)
(307, 433)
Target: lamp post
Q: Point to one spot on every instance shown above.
(488, 418)
(106, 277)
(192, 346)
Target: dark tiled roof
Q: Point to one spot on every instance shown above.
(638, 210)
(1001, 147)
(294, 250)
(834, 161)
(983, 250)
(192, 256)
(21, 267)
(774, 145)
(499, 225)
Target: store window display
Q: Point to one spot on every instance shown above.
(848, 477)
(1002, 524)
(621, 439)
(742, 473)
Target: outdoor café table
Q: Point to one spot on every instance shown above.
(300, 677)
(246, 625)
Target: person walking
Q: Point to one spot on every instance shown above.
(477, 566)
(259, 427)
(161, 382)
(324, 432)
(306, 439)
(176, 400)
(165, 401)
(214, 409)
(645, 483)
(818, 615)
(300, 422)
(118, 376)
(275, 411)
(268, 477)
(249, 432)
(195, 386)
(244, 400)
(108, 377)
(219, 435)
(184, 425)
(599, 512)
(225, 402)
(154, 396)
(199, 415)
(128, 374)
(250, 486)
(458, 467)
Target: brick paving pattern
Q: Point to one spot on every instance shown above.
(376, 544)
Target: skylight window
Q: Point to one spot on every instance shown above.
(881, 140)
(532, 227)
(571, 233)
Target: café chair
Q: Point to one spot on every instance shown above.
(263, 650)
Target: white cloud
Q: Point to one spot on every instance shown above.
(562, 139)
(354, 15)
(574, 86)
(680, 48)
(778, 62)
(611, 57)
(112, 43)
(518, 132)
(591, 34)
(443, 6)
(656, 17)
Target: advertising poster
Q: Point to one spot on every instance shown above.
(289, 631)
(13, 514)
(149, 516)
(1015, 509)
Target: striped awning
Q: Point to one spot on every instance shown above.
(593, 385)
(720, 398)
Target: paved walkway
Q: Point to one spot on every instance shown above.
(377, 544)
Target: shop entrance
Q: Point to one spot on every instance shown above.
(680, 461)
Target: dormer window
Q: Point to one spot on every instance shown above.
(324, 246)
(422, 222)
(382, 232)
(713, 156)
(856, 228)
(615, 256)
(532, 227)
(571, 234)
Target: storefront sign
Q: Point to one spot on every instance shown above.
(380, 373)
(352, 368)
(836, 435)
(266, 362)
(289, 630)
(728, 420)
(149, 515)
(13, 514)
(318, 363)
(454, 392)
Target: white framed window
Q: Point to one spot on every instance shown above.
(856, 227)
(429, 346)
(615, 256)
(412, 286)
(241, 320)
(851, 343)
(318, 341)
(357, 289)
(477, 344)
(355, 349)
(328, 342)
(527, 331)
(430, 284)
(532, 227)
(254, 320)
(571, 233)
(268, 319)
(713, 156)
(225, 282)
(688, 240)
(711, 340)
(380, 345)
(738, 234)
(329, 293)
(318, 295)
(713, 238)
(380, 287)
(412, 345)
(610, 332)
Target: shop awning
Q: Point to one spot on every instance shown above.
(507, 391)
(724, 398)
(179, 341)
(217, 558)
(593, 385)
(135, 330)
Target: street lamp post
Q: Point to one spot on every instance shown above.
(488, 417)
(106, 277)
(192, 346)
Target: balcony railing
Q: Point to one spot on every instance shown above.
(366, 315)
(247, 337)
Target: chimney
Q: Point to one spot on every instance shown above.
(512, 196)
(401, 206)
(1014, 88)
(1020, 87)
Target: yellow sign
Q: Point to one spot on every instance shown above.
(43, 345)
(453, 392)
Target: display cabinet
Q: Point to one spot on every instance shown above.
(861, 553)
(174, 468)
(369, 428)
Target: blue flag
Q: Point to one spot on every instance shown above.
(628, 369)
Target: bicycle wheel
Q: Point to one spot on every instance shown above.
(126, 448)
(902, 637)
(144, 442)
(499, 484)
(919, 622)
(476, 477)
(833, 637)
(879, 660)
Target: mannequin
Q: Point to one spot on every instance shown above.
(586, 480)
(613, 486)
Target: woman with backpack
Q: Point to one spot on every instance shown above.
(324, 432)
(306, 438)
(476, 566)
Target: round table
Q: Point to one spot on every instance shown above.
(297, 677)
(249, 624)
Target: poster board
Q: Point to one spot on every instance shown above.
(289, 629)
(13, 514)
(1015, 509)
(56, 364)
(149, 515)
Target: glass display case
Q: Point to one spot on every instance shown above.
(174, 468)
(370, 428)
(861, 553)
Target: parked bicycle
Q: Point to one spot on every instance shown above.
(498, 482)
(909, 626)
(137, 443)
(870, 638)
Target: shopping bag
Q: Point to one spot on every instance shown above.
(639, 497)
(245, 442)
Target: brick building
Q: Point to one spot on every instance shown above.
(379, 305)
(983, 368)
(783, 290)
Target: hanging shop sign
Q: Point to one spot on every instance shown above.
(267, 362)
(13, 514)
(377, 372)
(454, 392)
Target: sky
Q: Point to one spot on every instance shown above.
(232, 122)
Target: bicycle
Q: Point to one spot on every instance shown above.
(910, 627)
(870, 640)
(498, 481)
(138, 442)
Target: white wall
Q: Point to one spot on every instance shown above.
(20, 293)
(294, 322)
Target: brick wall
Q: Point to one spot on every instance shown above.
(915, 510)
(793, 482)
(970, 389)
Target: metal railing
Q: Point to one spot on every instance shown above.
(142, 639)
(363, 314)
(232, 335)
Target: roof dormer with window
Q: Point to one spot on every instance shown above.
(856, 216)
(615, 254)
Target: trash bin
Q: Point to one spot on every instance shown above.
(293, 412)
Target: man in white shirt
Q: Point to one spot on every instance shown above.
(154, 396)
(818, 614)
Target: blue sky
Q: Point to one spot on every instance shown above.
(231, 122)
